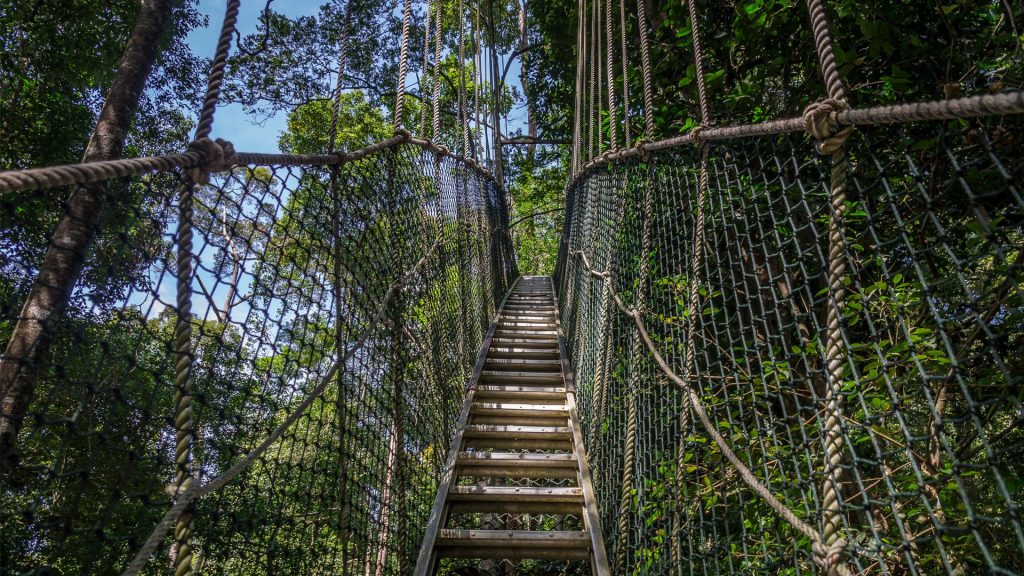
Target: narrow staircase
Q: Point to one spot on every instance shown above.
(517, 487)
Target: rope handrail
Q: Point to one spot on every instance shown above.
(964, 107)
(31, 179)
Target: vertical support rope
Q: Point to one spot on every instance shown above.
(636, 351)
(346, 31)
(339, 335)
(183, 425)
(613, 135)
(592, 61)
(625, 75)
(403, 66)
(423, 73)
(477, 74)
(216, 77)
(436, 128)
(462, 79)
(184, 433)
(645, 62)
(821, 124)
(599, 73)
(577, 116)
(698, 57)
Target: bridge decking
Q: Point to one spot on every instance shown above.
(518, 449)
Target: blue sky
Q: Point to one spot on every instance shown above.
(231, 122)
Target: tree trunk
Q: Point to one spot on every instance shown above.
(62, 265)
(531, 119)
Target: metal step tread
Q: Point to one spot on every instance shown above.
(553, 460)
(520, 407)
(506, 431)
(517, 493)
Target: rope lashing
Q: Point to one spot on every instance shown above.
(821, 121)
(219, 156)
(830, 557)
(822, 124)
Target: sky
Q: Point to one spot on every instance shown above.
(231, 123)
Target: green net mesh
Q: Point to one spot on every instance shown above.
(932, 333)
(393, 263)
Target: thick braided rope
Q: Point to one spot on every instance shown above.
(645, 63)
(71, 174)
(625, 75)
(697, 254)
(436, 127)
(476, 83)
(592, 127)
(216, 77)
(635, 358)
(426, 62)
(462, 79)
(613, 135)
(342, 58)
(698, 56)
(822, 551)
(577, 116)
(823, 46)
(821, 124)
(195, 491)
(184, 433)
(213, 153)
(403, 65)
(599, 73)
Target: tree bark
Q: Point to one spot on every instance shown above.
(62, 264)
(524, 78)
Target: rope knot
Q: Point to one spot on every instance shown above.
(821, 121)
(404, 134)
(641, 148)
(343, 157)
(443, 150)
(830, 556)
(218, 156)
(695, 133)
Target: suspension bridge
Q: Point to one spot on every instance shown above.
(785, 347)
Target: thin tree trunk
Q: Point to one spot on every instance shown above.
(62, 265)
(524, 79)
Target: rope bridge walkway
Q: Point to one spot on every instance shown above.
(760, 352)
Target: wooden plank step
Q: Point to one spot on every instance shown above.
(520, 409)
(549, 336)
(546, 327)
(522, 354)
(521, 393)
(523, 364)
(514, 544)
(512, 340)
(516, 465)
(505, 329)
(518, 432)
(516, 499)
(511, 377)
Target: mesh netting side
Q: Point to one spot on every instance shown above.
(393, 263)
(932, 332)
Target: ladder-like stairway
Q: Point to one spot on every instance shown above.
(517, 486)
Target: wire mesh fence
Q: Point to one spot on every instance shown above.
(368, 285)
(931, 475)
